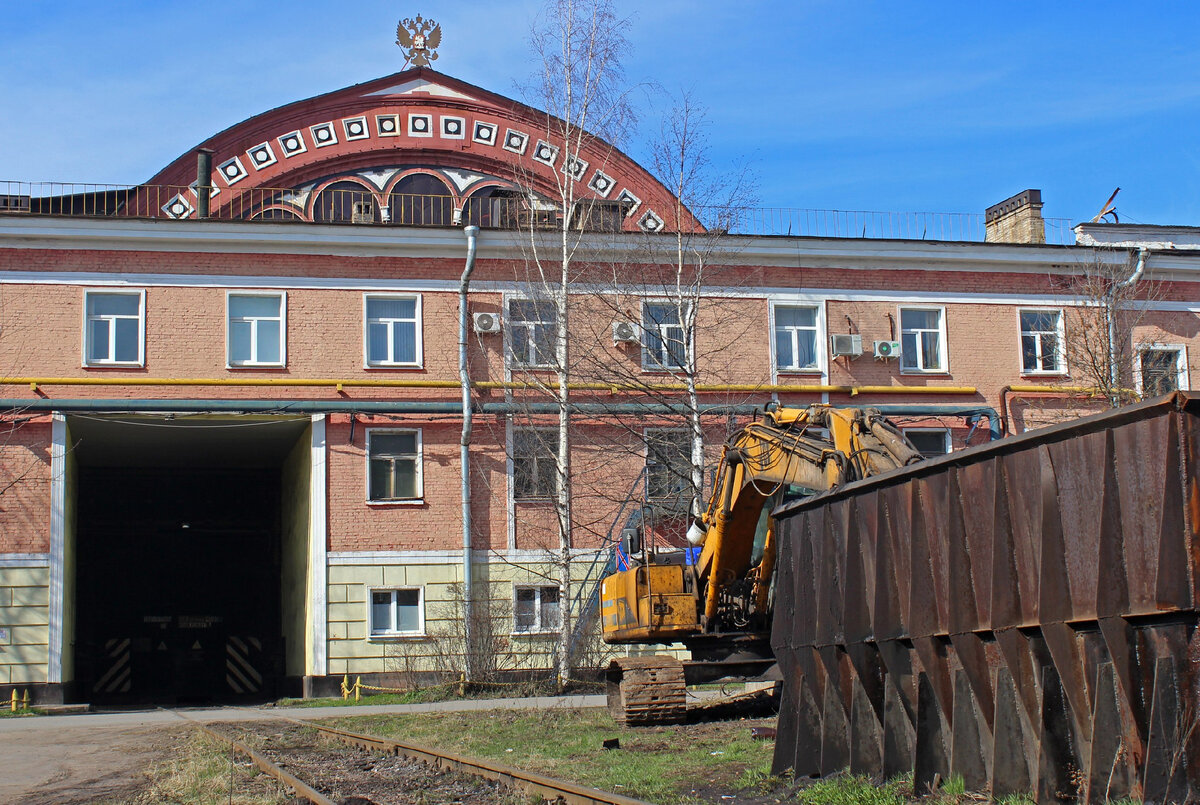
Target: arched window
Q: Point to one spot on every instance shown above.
(345, 202)
(494, 208)
(276, 214)
(421, 200)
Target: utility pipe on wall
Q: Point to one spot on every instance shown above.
(464, 454)
(1114, 393)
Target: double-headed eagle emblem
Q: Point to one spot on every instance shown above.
(418, 39)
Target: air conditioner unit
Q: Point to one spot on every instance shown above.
(846, 344)
(626, 332)
(886, 349)
(487, 323)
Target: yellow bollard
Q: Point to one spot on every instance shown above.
(462, 684)
(25, 700)
(346, 687)
(357, 687)
(14, 700)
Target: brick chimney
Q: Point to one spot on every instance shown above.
(1017, 219)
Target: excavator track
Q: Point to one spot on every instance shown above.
(646, 691)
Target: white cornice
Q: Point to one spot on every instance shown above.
(226, 237)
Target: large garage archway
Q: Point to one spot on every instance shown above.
(190, 546)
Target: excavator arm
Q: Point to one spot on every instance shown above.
(660, 600)
(721, 605)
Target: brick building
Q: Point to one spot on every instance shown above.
(231, 463)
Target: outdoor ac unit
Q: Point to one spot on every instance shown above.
(626, 332)
(886, 349)
(363, 212)
(848, 345)
(487, 323)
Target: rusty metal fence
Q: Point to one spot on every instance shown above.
(503, 209)
(1022, 614)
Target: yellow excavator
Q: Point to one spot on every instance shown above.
(718, 603)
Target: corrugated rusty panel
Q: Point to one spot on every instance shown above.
(1022, 614)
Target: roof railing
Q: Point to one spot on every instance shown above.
(504, 209)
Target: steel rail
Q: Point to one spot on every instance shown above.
(294, 783)
(527, 782)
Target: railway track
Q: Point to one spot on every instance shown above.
(280, 746)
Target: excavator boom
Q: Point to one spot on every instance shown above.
(722, 602)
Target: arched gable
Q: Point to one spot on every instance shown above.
(380, 131)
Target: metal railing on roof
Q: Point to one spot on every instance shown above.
(503, 210)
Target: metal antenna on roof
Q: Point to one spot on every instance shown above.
(1108, 209)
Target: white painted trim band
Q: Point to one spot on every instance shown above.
(24, 560)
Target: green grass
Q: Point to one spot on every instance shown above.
(6, 712)
(662, 764)
(441, 693)
(197, 772)
(954, 786)
(852, 790)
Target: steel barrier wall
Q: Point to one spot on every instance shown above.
(1022, 614)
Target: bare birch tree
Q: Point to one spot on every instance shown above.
(579, 47)
(1101, 342)
(678, 270)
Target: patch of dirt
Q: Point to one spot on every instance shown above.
(104, 765)
(355, 777)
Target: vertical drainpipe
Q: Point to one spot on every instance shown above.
(1114, 393)
(464, 454)
(203, 180)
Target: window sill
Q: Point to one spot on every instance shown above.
(543, 500)
(1045, 375)
(390, 503)
(925, 372)
(116, 365)
(234, 367)
(813, 371)
(397, 636)
(408, 367)
(536, 633)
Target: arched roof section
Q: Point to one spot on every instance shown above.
(418, 117)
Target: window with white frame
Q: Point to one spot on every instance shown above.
(535, 463)
(536, 609)
(669, 467)
(397, 612)
(532, 330)
(394, 459)
(1041, 341)
(393, 330)
(114, 328)
(922, 339)
(930, 442)
(256, 334)
(662, 337)
(1161, 369)
(795, 338)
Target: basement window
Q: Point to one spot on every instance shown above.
(394, 466)
(255, 331)
(114, 328)
(536, 609)
(397, 613)
(930, 442)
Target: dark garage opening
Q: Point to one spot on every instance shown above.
(178, 561)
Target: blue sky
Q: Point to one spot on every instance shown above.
(916, 106)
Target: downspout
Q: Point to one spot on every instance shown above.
(464, 456)
(1114, 393)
